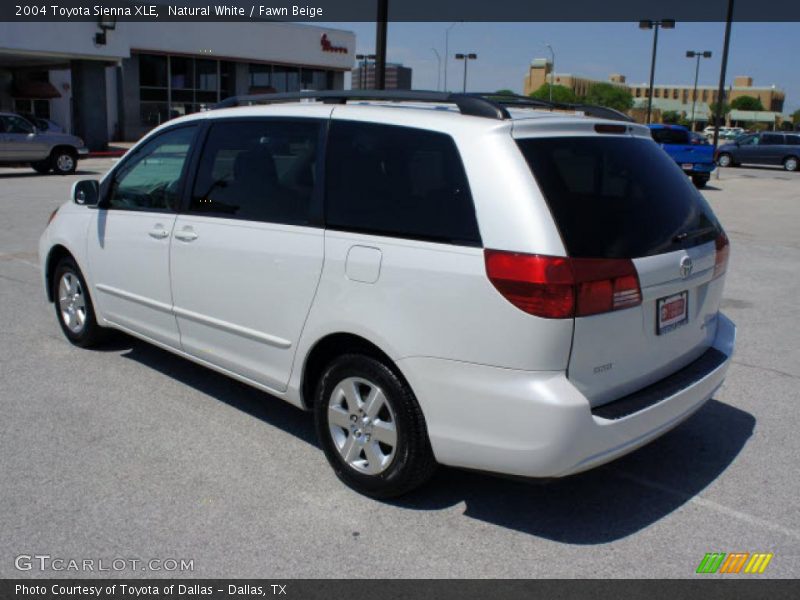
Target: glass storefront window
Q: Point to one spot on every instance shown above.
(152, 70)
(181, 72)
(207, 75)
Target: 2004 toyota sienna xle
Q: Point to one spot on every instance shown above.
(511, 290)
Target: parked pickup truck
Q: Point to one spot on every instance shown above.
(695, 157)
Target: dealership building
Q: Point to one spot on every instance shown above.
(114, 84)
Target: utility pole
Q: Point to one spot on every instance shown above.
(380, 44)
(718, 114)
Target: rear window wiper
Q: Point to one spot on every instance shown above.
(687, 235)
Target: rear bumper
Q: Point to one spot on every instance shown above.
(537, 424)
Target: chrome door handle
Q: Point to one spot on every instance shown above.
(158, 232)
(186, 235)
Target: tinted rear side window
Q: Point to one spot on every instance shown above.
(397, 181)
(772, 139)
(793, 140)
(670, 136)
(261, 170)
(617, 197)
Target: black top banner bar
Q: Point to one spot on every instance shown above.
(399, 10)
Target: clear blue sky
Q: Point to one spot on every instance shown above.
(769, 52)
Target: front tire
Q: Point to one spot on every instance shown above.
(725, 160)
(64, 161)
(791, 163)
(74, 308)
(371, 428)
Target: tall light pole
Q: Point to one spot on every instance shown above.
(552, 70)
(654, 25)
(363, 75)
(466, 58)
(447, 50)
(696, 54)
(438, 68)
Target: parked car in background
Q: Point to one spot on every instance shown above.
(354, 260)
(766, 148)
(694, 157)
(22, 142)
(698, 139)
(43, 124)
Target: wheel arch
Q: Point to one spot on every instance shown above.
(54, 256)
(328, 348)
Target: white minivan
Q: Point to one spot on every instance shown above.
(441, 279)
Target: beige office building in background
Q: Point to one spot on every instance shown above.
(666, 97)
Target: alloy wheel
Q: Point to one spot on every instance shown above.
(362, 425)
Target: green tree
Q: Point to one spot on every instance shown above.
(561, 94)
(713, 108)
(505, 92)
(671, 117)
(612, 96)
(747, 103)
(796, 117)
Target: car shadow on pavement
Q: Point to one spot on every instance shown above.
(612, 501)
(596, 507)
(240, 396)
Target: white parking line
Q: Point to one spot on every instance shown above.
(715, 506)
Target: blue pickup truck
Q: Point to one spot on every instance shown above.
(692, 152)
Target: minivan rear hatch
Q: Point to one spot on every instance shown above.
(620, 197)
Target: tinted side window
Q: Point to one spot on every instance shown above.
(398, 181)
(670, 136)
(18, 125)
(151, 178)
(793, 140)
(258, 171)
(771, 139)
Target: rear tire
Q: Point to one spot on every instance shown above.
(700, 181)
(74, 308)
(64, 161)
(371, 428)
(42, 166)
(791, 163)
(725, 160)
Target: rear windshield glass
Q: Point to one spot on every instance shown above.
(618, 197)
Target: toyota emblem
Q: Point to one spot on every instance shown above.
(686, 266)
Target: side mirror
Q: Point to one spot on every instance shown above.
(86, 192)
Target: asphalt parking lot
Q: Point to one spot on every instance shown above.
(132, 452)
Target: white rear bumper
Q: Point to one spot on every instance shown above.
(536, 423)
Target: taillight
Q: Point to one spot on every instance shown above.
(723, 252)
(558, 287)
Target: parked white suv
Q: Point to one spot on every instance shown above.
(511, 290)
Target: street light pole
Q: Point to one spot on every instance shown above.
(655, 26)
(466, 58)
(696, 54)
(552, 70)
(438, 68)
(447, 50)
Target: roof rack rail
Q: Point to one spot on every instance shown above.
(592, 110)
(490, 105)
(468, 104)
